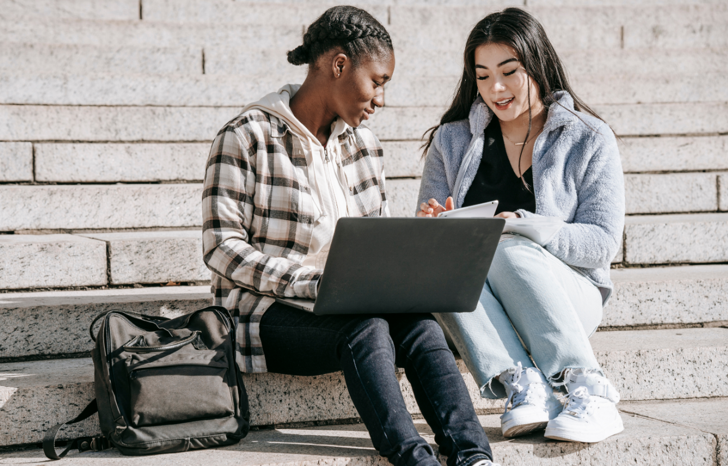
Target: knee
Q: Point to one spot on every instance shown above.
(514, 254)
(425, 333)
(372, 331)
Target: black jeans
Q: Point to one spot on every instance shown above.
(366, 349)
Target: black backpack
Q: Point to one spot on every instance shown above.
(163, 385)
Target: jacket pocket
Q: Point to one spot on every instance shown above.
(177, 386)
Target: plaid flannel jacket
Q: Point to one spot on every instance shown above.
(258, 217)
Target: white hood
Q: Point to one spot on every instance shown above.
(278, 104)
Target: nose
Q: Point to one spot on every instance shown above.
(498, 85)
(378, 99)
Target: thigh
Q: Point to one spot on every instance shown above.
(297, 342)
(524, 276)
(583, 294)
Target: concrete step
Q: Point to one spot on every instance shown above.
(446, 18)
(80, 207)
(224, 12)
(84, 207)
(47, 324)
(230, 89)
(94, 163)
(651, 194)
(30, 10)
(112, 163)
(683, 295)
(641, 364)
(665, 433)
(36, 59)
(159, 257)
(680, 296)
(144, 34)
(72, 207)
(16, 161)
(154, 257)
(666, 239)
(51, 261)
(421, 26)
(586, 27)
(200, 124)
(674, 154)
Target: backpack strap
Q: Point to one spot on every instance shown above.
(83, 444)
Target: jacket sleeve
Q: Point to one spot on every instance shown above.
(434, 184)
(227, 211)
(592, 239)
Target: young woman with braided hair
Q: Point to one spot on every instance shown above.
(516, 132)
(278, 177)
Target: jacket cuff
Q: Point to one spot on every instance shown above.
(525, 214)
(307, 286)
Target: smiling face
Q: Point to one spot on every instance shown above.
(503, 82)
(358, 90)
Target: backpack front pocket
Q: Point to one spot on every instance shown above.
(181, 386)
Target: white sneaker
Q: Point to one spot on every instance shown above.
(590, 414)
(531, 399)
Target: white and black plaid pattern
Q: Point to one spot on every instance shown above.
(258, 216)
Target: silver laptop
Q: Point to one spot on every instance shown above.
(405, 265)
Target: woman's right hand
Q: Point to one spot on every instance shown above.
(432, 208)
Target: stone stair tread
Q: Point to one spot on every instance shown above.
(670, 339)
(176, 205)
(45, 58)
(641, 364)
(237, 89)
(660, 274)
(109, 296)
(676, 218)
(52, 9)
(200, 124)
(151, 162)
(668, 430)
(678, 295)
(679, 238)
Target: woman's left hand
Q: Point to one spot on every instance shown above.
(508, 215)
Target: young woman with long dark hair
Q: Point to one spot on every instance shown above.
(516, 132)
(278, 178)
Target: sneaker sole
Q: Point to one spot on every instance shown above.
(566, 435)
(524, 429)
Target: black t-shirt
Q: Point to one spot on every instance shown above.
(496, 180)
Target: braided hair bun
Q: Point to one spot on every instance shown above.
(350, 28)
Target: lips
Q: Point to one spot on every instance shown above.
(503, 104)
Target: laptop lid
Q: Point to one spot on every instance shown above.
(407, 265)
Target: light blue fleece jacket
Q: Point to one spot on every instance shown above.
(577, 177)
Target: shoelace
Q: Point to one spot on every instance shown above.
(577, 402)
(513, 377)
(518, 394)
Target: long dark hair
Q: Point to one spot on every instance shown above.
(524, 34)
(352, 29)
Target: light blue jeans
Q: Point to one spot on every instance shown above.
(532, 294)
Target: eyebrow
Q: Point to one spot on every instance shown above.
(499, 64)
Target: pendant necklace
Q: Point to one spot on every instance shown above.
(518, 144)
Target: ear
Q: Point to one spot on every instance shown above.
(339, 64)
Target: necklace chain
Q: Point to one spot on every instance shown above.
(522, 143)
